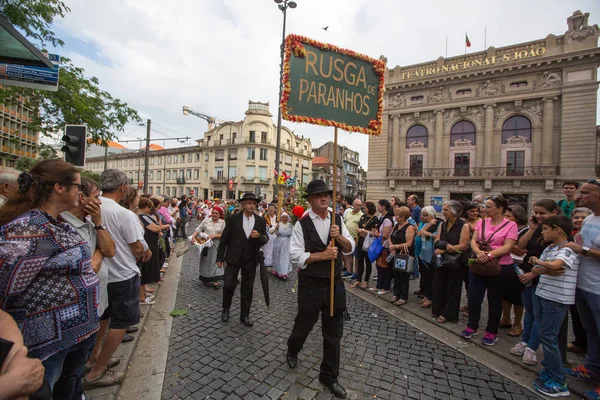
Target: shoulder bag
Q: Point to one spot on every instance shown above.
(492, 266)
(450, 260)
(403, 261)
(369, 238)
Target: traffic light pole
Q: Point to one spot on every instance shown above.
(147, 156)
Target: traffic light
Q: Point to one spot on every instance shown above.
(75, 144)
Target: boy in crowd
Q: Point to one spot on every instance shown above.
(567, 205)
(557, 269)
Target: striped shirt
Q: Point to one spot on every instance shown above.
(560, 289)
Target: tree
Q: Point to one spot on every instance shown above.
(79, 100)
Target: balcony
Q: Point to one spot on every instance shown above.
(545, 172)
(264, 181)
(218, 179)
(249, 180)
(181, 181)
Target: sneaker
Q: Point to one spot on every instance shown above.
(107, 378)
(581, 373)
(592, 394)
(518, 349)
(489, 339)
(468, 333)
(529, 357)
(353, 277)
(372, 289)
(346, 275)
(148, 300)
(551, 388)
(382, 292)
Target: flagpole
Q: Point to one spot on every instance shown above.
(465, 43)
(485, 39)
(446, 46)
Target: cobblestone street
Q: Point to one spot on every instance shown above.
(381, 357)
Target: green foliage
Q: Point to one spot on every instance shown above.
(25, 163)
(178, 312)
(90, 175)
(79, 100)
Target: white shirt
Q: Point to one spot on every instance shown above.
(248, 223)
(298, 254)
(589, 267)
(124, 227)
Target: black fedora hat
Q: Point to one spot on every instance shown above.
(316, 187)
(250, 196)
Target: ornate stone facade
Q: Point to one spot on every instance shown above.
(516, 120)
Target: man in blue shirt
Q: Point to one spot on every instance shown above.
(415, 210)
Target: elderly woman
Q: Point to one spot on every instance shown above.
(401, 240)
(281, 248)
(426, 235)
(385, 224)
(38, 252)
(366, 224)
(210, 273)
(452, 241)
(271, 218)
(501, 234)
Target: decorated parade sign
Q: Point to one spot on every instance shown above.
(329, 86)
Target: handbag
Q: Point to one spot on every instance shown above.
(375, 249)
(382, 259)
(492, 266)
(449, 260)
(367, 242)
(404, 262)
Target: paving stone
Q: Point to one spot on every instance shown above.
(381, 356)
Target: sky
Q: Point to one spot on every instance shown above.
(215, 55)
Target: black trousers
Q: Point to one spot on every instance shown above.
(364, 265)
(578, 329)
(230, 283)
(446, 290)
(312, 300)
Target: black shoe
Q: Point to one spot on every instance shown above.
(292, 361)
(127, 338)
(132, 329)
(246, 321)
(225, 315)
(334, 387)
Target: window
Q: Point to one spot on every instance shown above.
(517, 126)
(234, 135)
(232, 172)
(151, 178)
(250, 153)
(219, 155)
(263, 154)
(206, 157)
(517, 199)
(252, 137)
(462, 197)
(150, 190)
(288, 159)
(169, 160)
(159, 160)
(175, 159)
(137, 175)
(263, 137)
(151, 160)
(416, 98)
(416, 165)
(182, 158)
(130, 175)
(462, 164)
(462, 130)
(416, 134)
(219, 172)
(120, 163)
(206, 173)
(197, 157)
(233, 154)
(250, 172)
(168, 191)
(181, 173)
(196, 174)
(221, 137)
(262, 172)
(188, 174)
(462, 92)
(168, 175)
(515, 163)
(518, 84)
(158, 188)
(189, 158)
(159, 176)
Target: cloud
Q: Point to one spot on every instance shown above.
(214, 56)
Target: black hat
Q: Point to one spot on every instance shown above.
(250, 196)
(317, 186)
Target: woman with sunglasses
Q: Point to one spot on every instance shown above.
(41, 254)
(501, 234)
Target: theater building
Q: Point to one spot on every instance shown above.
(515, 121)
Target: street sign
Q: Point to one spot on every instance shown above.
(33, 77)
(230, 184)
(329, 86)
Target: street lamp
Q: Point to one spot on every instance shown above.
(283, 6)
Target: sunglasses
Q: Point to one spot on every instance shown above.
(593, 181)
(80, 186)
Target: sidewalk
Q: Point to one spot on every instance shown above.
(127, 351)
(500, 350)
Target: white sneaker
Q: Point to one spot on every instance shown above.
(166, 265)
(372, 289)
(148, 300)
(518, 349)
(529, 357)
(382, 292)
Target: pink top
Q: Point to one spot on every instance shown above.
(510, 231)
(165, 214)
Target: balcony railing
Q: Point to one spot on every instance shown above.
(249, 180)
(476, 172)
(264, 181)
(220, 179)
(180, 181)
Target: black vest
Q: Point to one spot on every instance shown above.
(313, 244)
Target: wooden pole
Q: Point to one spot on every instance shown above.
(333, 216)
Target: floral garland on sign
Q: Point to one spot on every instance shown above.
(294, 44)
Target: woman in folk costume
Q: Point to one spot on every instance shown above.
(271, 218)
(281, 249)
(210, 273)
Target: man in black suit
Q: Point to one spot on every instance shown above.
(241, 239)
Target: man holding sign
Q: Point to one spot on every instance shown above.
(312, 251)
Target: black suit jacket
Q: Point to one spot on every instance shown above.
(233, 239)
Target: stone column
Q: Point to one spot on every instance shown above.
(488, 142)
(401, 148)
(548, 131)
(439, 139)
(395, 140)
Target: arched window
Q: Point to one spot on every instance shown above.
(516, 126)
(462, 130)
(417, 133)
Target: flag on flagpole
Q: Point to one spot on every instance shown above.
(467, 41)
